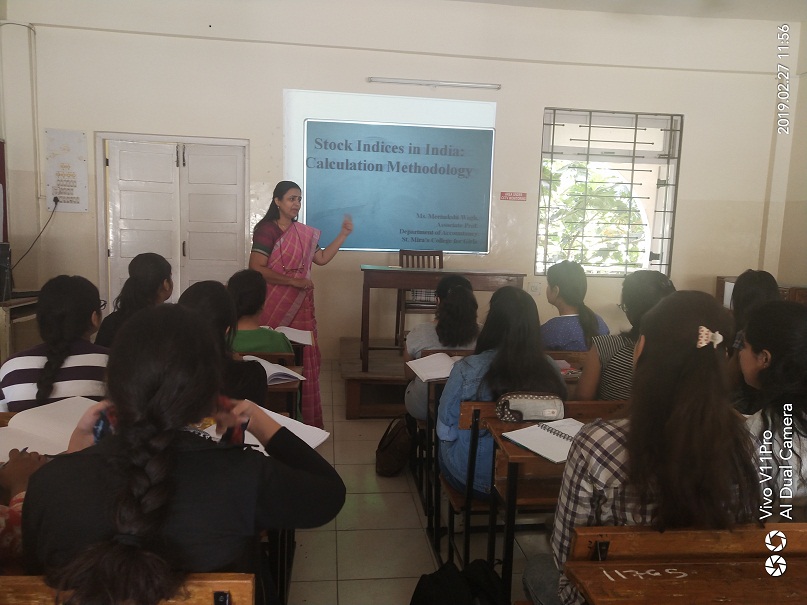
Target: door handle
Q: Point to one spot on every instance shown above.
(183, 249)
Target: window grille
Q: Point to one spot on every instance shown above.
(608, 188)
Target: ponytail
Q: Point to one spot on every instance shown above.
(64, 315)
(570, 279)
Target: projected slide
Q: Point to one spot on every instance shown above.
(414, 187)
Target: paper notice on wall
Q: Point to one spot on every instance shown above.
(66, 170)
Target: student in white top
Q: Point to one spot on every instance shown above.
(454, 327)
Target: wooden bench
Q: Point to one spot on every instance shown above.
(199, 589)
(745, 565)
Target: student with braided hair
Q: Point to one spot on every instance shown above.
(124, 520)
(66, 364)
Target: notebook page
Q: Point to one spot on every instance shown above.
(552, 440)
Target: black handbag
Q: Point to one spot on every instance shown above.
(392, 453)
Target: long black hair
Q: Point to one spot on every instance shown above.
(64, 314)
(281, 189)
(214, 303)
(689, 452)
(752, 288)
(513, 330)
(456, 311)
(163, 374)
(248, 291)
(147, 274)
(641, 291)
(570, 279)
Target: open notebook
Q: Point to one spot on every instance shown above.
(552, 440)
(275, 373)
(302, 337)
(433, 367)
(312, 435)
(45, 429)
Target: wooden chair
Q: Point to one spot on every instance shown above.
(199, 589)
(419, 259)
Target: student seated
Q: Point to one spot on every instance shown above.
(66, 364)
(149, 284)
(159, 499)
(683, 458)
(608, 366)
(508, 357)
(240, 379)
(454, 327)
(773, 359)
(248, 291)
(577, 324)
(751, 289)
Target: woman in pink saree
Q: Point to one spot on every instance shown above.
(282, 251)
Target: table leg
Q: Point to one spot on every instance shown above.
(509, 529)
(365, 325)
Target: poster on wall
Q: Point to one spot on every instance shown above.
(66, 170)
(406, 187)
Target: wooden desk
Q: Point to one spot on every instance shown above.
(687, 582)
(399, 278)
(14, 311)
(518, 469)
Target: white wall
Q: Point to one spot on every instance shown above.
(217, 68)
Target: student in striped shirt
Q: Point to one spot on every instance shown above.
(66, 364)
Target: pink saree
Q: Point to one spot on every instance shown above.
(291, 253)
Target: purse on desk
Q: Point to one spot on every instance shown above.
(518, 407)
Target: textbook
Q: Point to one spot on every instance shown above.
(312, 435)
(302, 337)
(552, 440)
(45, 429)
(433, 367)
(275, 373)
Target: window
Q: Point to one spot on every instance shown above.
(608, 186)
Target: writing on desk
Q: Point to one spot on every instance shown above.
(634, 574)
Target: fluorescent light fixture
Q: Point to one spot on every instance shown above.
(434, 83)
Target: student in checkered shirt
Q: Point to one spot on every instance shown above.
(683, 458)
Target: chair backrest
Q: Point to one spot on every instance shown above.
(634, 542)
(421, 259)
(282, 359)
(199, 589)
(587, 411)
(487, 409)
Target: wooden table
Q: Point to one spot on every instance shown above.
(516, 468)
(687, 582)
(399, 278)
(14, 311)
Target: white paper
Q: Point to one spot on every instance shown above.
(312, 435)
(45, 429)
(433, 367)
(275, 373)
(302, 337)
(541, 441)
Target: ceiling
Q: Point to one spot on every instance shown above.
(770, 10)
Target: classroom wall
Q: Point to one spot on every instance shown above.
(217, 68)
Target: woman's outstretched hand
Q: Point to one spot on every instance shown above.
(258, 422)
(347, 225)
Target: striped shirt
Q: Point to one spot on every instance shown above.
(595, 491)
(616, 363)
(82, 374)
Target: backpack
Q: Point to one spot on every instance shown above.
(392, 453)
(477, 584)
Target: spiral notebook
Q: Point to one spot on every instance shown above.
(552, 440)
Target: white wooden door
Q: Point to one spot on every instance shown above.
(143, 197)
(184, 201)
(212, 210)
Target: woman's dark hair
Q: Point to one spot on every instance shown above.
(456, 311)
(64, 315)
(248, 291)
(751, 289)
(641, 291)
(513, 330)
(147, 273)
(281, 189)
(214, 303)
(570, 278)
(780, 327)
(689, 451)
(163, 374)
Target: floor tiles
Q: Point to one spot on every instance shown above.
(315, 556)
(378, 511)
(361, 479)
(390, 591)
(382, 553)
(313, 593)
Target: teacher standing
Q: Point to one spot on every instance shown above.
(282, 251)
